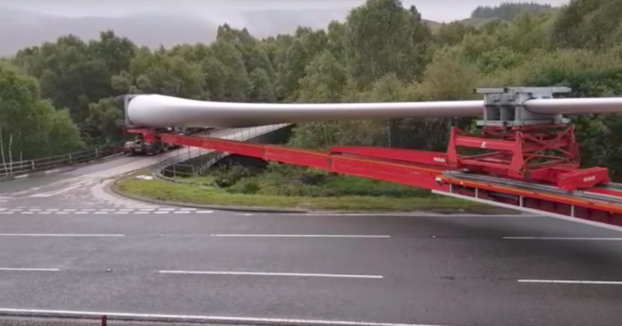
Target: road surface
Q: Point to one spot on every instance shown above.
(438, 270)
(68, 247)
(85, 186)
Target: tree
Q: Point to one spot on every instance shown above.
(323, 81)
(510, 10)
(382, 38)
(262, 88)
(589, 24)
(237, 84)
(160, 73)
(29, 126)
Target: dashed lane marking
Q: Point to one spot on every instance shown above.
(60, 235)
(104, 211)
(572, 282)
(563, 238)
(270, 274)
(4, 269)
(301, 236)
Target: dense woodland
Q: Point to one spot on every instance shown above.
(60, 96)
(508, 11)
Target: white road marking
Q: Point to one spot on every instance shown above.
(301, 236)
(204, 212)
(165, 212)
(62, 213)
(81, 213)
(101, 213)
(562, 238)
(237, 320)
(414, 214)
(69, 210)
(21, 176)
(58, 192)
(572, 282)
(27, 212)
(121, 213)
(270, 274)
(181, 212)
(188, 209)
(52, 171)
(141, 212)
(29, 269)
(46, 213)
(57, 235)
(166, 209)
(35, 209)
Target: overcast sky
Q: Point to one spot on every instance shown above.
(438, 10)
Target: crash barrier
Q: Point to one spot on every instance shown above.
(190, 162)
(9, 169)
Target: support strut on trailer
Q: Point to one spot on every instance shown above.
(518, 144)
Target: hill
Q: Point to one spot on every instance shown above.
(509, 10)
(20, 29)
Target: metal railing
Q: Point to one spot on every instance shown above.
(49, 163)
(83, 156)
(190, 162)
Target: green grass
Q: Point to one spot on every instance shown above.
(203, 191)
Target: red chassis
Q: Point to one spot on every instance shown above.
(497, 177)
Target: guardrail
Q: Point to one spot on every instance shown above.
(49, 163)
(194, 161)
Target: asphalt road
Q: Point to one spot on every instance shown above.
(85, 186)
(439, 270)
(68, 247)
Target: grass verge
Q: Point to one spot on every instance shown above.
(205, 194)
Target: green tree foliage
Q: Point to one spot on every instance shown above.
(30, 126)
(381, 52)
(509, 10)
(589, 24)
(383, 37)
(74, 73)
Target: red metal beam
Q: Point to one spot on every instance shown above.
(395, 154)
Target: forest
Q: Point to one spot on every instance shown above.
(60, 96)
